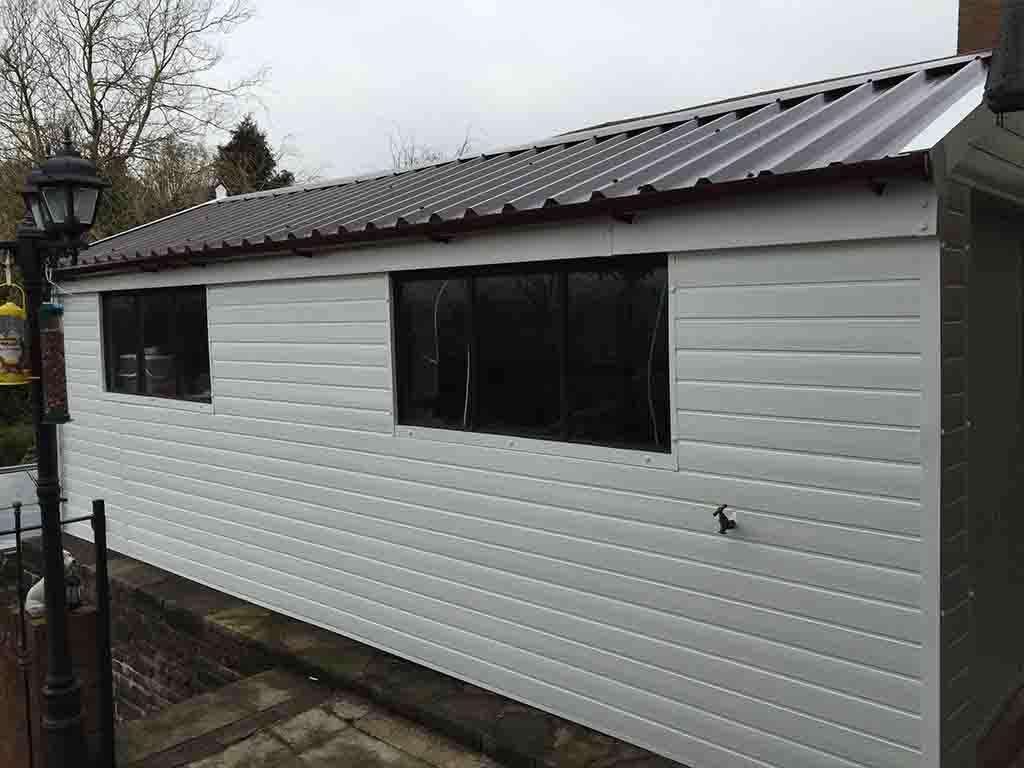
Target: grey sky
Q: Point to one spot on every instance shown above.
(343, 73)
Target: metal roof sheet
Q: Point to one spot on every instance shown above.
(833, 124)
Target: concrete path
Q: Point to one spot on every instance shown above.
(280, 720)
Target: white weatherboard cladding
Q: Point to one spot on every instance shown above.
(593, 587)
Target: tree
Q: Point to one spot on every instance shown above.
(407, 152)
(246, 164)
(178, 176)
(128, 76)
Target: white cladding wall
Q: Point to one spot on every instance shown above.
(596, 589)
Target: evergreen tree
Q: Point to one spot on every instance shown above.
(246, 164)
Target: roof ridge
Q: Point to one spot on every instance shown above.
(866, 75)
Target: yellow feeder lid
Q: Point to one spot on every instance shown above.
(10, 309)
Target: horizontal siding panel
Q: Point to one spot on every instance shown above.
(902, 372)
(318, 333)
(898, 656)
(818, 471)
(521, 528)
(83, 332)
(896, 299)
(834, 262)
(823, 437)
(453, 651)
(839, 507)
(884, 619)
(686, 633)
(84, 318)
(613, 494)
(301, 353)
(81, 362)
(468, 632)
(300, 413)
(887, 515)
(801, 402)
(299, 291)
(412, 587)
(804, 335)
(317, 312)
(379, 560)
(346, 375)
(87, 349)
(85, 377)
(311, 394)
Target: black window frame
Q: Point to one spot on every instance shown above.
(178, 343)
(560, 268)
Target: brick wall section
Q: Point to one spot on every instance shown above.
(162, 653)
(979, 25)
(956, 705)
(161, 656)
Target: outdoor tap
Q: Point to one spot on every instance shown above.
(725, 523)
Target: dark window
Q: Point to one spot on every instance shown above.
(574, 351)
(163, 334)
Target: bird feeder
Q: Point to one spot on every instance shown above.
(15, 365)
(51, 347)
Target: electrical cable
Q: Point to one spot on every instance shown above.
(465, 407)
(650, 363)
(437, 335)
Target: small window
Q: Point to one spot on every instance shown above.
(162, 334)
(574, 351)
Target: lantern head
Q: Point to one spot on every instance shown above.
(63, 193)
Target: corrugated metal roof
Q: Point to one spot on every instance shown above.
(845, 123)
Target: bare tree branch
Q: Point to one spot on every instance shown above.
(407, 152)
(128, 75)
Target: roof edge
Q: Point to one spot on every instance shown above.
(910, 165)
(752, 99)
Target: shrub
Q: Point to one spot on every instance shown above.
(16, 442)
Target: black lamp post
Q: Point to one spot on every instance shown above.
(62, 194)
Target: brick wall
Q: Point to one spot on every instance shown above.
(979, 25)
(162, 654)
(14, 743)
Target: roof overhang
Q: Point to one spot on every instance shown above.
(915, 165)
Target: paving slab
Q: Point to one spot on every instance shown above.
(309, 729)
(199, 716)
(220, 718)
(428, 746)
(278, 719)
(349, 706)
(355, 749)
(261, 750)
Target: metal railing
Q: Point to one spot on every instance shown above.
(17, 483)
(98, 518)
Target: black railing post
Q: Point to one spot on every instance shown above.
(62, 693)
(106, 674)
(24, 663)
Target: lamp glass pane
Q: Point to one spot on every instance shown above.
(56, 203)
(37, 210)
(85, 203)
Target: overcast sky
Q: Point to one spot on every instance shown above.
(343, 74)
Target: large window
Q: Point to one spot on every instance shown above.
(574, 351)
(155, 343)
